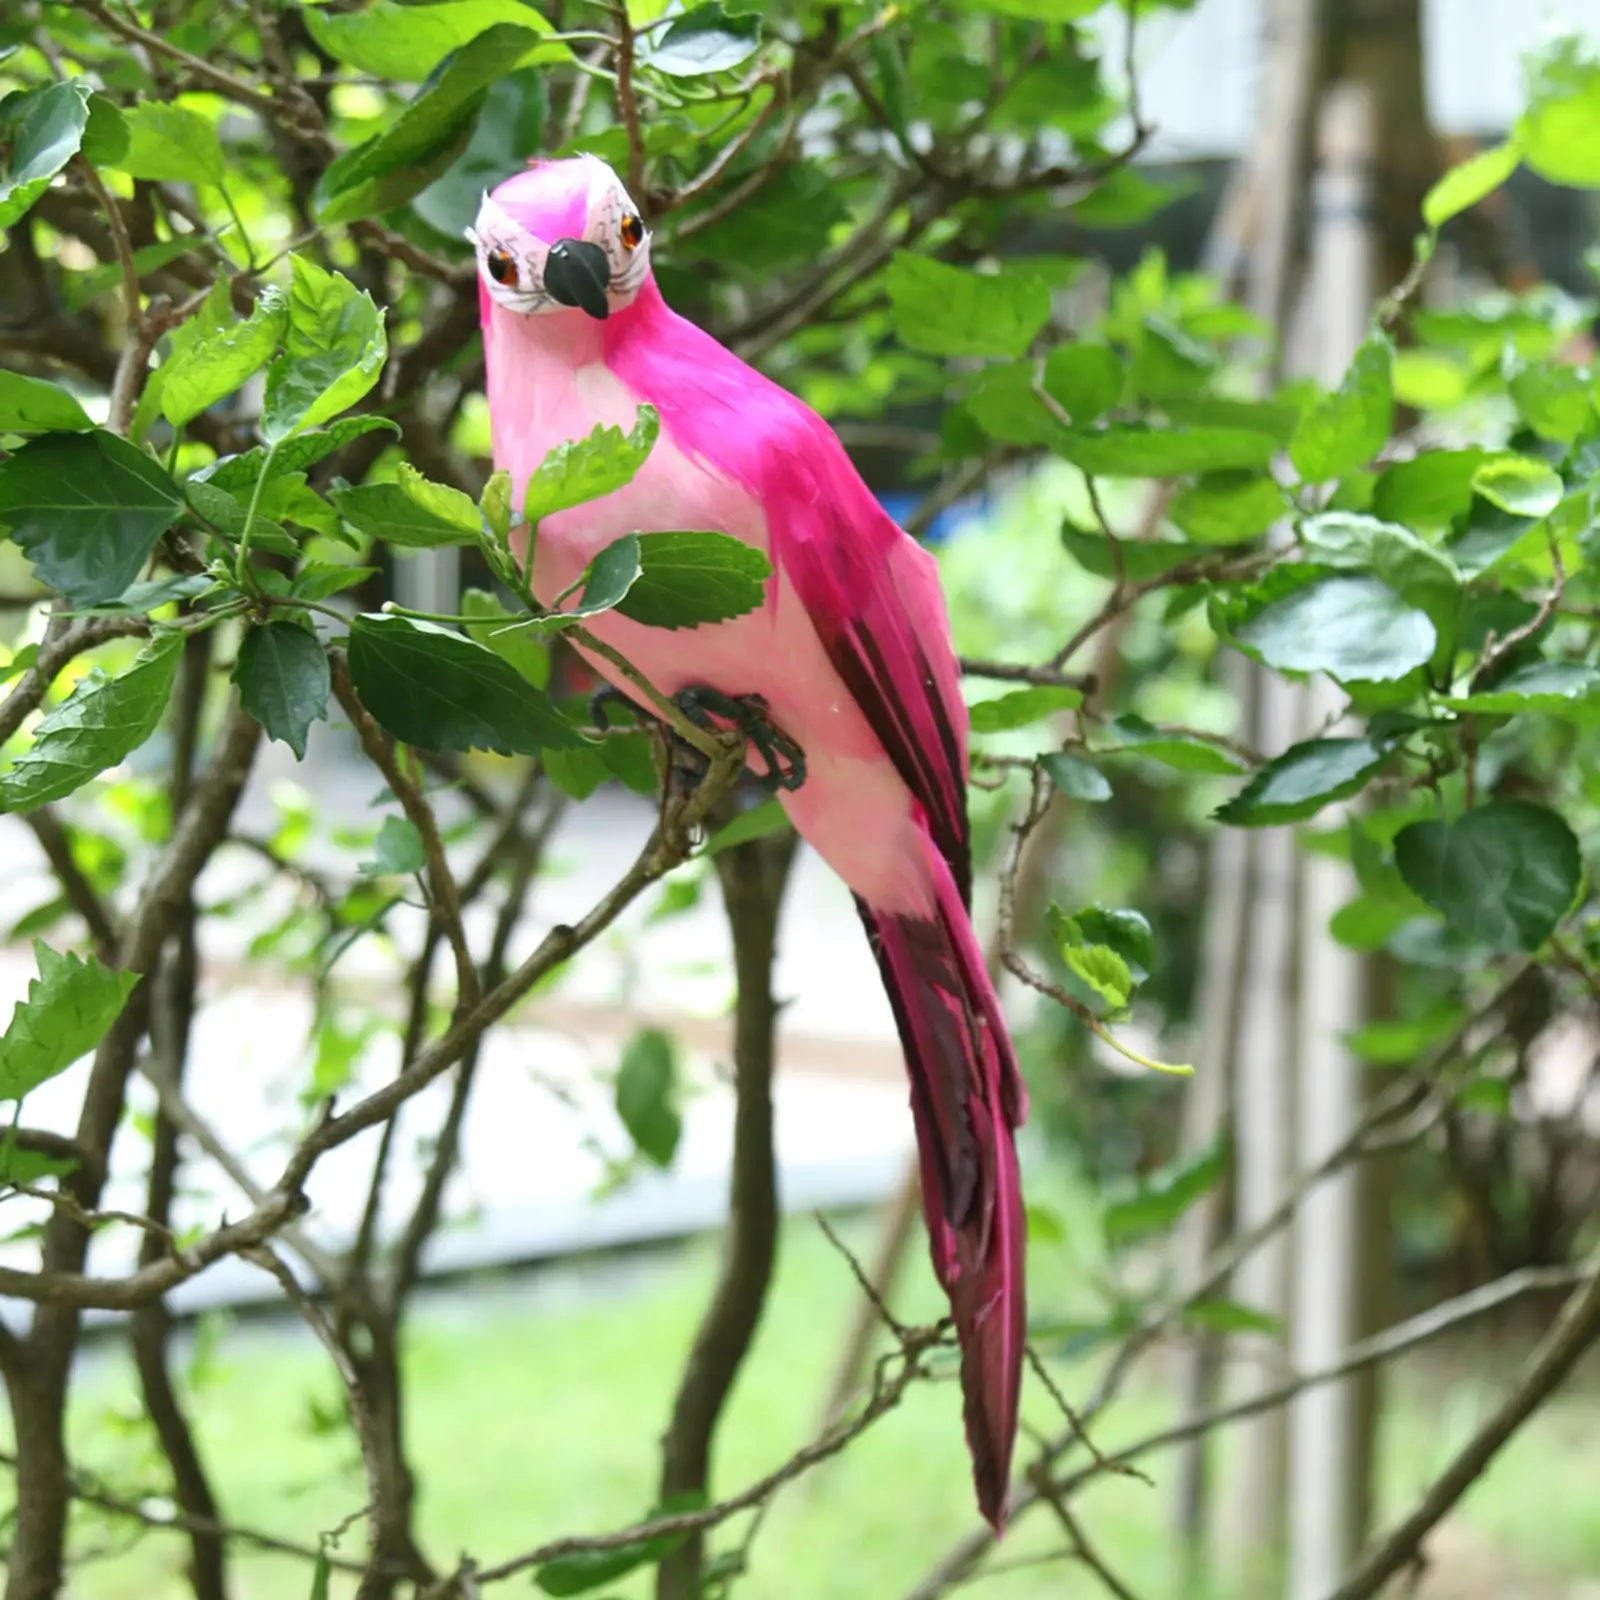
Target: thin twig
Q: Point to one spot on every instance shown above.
(1573, 1332)
(1082, 1549)
(443, 894)
(886, 1395)
(628, 103)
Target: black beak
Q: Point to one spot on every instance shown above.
(577, 274)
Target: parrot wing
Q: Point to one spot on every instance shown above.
(874, 596)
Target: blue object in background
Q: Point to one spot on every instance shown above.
(902, 506)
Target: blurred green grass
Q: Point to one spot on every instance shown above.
(527, 1421)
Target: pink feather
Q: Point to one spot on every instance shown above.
(852, 652)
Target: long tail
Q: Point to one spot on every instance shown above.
(967, 1099)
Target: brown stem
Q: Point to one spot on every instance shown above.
(39, 1401)
(1558, 1353)
(753, 876)
(172, 1016)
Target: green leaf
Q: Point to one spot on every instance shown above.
(1555, 400)
(1520, 485)
(142, 598)
(1388, 1044)
(405, 42)
(1347, 429)
(1184, 752)
(1560, 687)
(508, 634)
(1422, 575)
(103, 721)
(1021, 706)
(396, 851)
(1125, 932)
(385, 511)
(1140, 559)
(1167, 363)
(86, 509)
(1131, 450)
(1228, 1316)
(577, 773)
(647, 1094)
(47, 133)
(1103, 970)
(608, 578)
(30, 405)
(1368, 923)
(588, 1569)
(1164, 1196)
(283, 679)
(785, 222)
(953, 311)
(317, 580)
(447, 504)
(334, 349)
(631, 760)
(1487, 1095)
(1430, 490)
(216, 364)
(1044, 1225)
(704, 41)
(1503, 875)
(428, 135)
(1005, 404)
(1085, 380)
(19, 1166)
(226, 513)
(1074, 778)
(1038, 10)
(1351, 628)
(494, 505)
(170, 144)
(1228, 507)
(70, 1007)
(1304, 779)
(1468, 182)
(239, 473)
(437, 690)
(687, 579)
(321, 1574)
(105, 139)
(755, 822)
(587, 469)
(510, 124)
(1559, 133)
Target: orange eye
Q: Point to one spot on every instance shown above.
(502, 268)
(632, 232)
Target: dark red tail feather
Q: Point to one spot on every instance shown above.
(967, 1099)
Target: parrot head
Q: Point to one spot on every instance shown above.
(560, 238)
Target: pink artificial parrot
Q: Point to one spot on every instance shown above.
(850, 658)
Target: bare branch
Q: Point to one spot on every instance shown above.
(442, 891)
(1573, 1332)
(64, 639)
(1081, 1547)
(753, 875)
(80, 893)
(887, 1391)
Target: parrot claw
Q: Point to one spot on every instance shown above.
(786, 761)
(712, 710)
(602, 699)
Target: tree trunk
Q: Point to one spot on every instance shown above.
(754, 876)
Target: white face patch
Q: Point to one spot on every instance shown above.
(512, 261)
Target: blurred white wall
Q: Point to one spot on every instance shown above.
(1197, 70)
